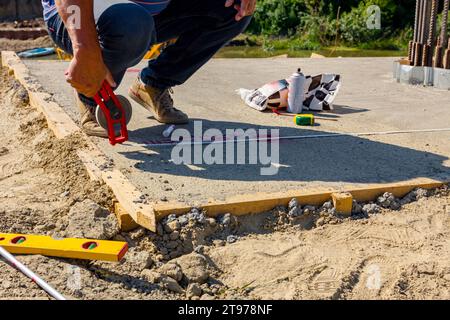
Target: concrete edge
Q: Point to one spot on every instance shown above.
(93, 159)
(438, 78)
(263, 202)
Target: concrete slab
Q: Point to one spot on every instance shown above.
(370, 100)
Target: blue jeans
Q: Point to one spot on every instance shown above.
(127, 31)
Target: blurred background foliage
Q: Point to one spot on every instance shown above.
(315, 24)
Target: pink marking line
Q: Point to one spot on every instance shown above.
(133, 70)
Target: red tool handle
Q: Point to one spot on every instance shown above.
(114, 113)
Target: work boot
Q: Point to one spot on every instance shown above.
(88, 121)
(158, 102)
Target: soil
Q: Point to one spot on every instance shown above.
(21, 45)
(298, 252)
(33, 23)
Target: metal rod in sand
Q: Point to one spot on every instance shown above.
(30, 274)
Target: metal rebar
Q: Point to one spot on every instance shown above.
(425, 32)
(411, 51)
(426, 54)
(416, 21)
(438, 54)
(433, 23)
(441, 39)
(412, 44)
(420, 21)
(431, 33)
(418, 55)
(426, 21)
(446, 59)
(444, 23)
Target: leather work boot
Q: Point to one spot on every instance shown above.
(88, 122)
(157, 101)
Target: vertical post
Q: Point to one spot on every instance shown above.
(446, 59)
(444, 36)
(438, 54)
(425, 32)
(416, 21)
(412, 44)
(419, 36)
(444, 22)
(431, 34)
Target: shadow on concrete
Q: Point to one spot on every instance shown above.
(341, 109)
(339, 159)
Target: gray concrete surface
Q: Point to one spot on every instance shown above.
(370, 100)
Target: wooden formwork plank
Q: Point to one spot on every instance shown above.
(126, 222)
(343, 202)
(399, 189)
(260, 202)
(130, 198)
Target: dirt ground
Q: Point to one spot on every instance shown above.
(21, 45)
(298, 252)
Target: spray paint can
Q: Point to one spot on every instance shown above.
(296, 92)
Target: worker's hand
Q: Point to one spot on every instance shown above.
(87, 72)
(243, 7)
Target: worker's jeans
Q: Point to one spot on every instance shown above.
(127, 31)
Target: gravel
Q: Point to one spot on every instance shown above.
(195, 267)
(232, 239)
(388, 201)
(170, 284)
(193, 290)
(371, 208)
(293, 204)
(356, 208)
(139, 259)
(172, 270)
(89, 220)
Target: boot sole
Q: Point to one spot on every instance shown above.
(103, 134)
(148, 108)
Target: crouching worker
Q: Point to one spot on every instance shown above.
(106, 37)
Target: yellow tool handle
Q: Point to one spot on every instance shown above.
(87, 249)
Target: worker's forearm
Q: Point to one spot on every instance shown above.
(80, 24)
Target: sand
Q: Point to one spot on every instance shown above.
(391, 255)
(21, 45)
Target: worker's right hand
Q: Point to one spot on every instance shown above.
(87, 72)
(244, 7)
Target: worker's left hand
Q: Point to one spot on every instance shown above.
(244, 7)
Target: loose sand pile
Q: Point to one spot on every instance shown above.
(290, 253)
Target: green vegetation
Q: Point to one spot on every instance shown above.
(296, 25)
